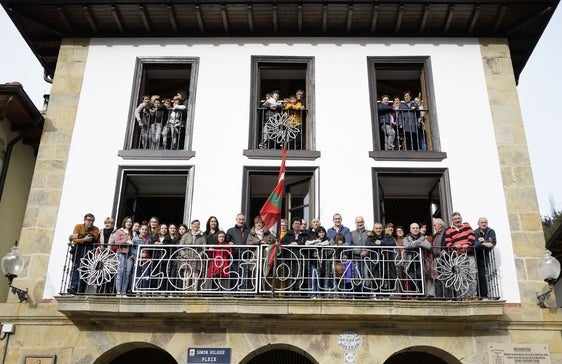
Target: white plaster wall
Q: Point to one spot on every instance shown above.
(342, 118)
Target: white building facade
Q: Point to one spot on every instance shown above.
(91, 161)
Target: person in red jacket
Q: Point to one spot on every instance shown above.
(460, 238)
(220, 259)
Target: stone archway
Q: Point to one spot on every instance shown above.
(422, 355)
(136, 353)
(278, 354)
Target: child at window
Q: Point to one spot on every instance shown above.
(142, 116)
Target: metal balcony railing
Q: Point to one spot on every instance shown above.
(293, 122)
(405, 130)
(294, 271)
(162, 129)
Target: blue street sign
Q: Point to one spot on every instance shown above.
(208, 355)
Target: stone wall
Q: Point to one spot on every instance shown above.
(36, 237)
(528, 323)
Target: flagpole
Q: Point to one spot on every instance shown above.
(277, 242)
(281, 130)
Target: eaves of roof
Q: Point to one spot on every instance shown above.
(44, 24)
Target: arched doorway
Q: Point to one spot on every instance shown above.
(278, 354)
(136, 353)
(422, 355)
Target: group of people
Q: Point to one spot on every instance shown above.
(294, 107)
(124, 241)
(162, 121)
(310, 259)
(402, 123)
(388, 260)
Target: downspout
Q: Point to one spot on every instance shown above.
(6, 163)
(37, 123)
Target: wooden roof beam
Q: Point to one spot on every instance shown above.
(224, 16)
(275, 19)
(374, 17)
(250, 18)
(39, 22)
(519, 26)
(117, 17)
(425, 16)
(349, 18)
(172, 17)
(145, 19)
(503, 11)
(299, 18)
(449, 18)
(90, 18)
(399, 18)
(324, 18)
(475, 15)
(199, 19)
(64, 18)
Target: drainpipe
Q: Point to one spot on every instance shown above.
(37, 123)
(6, 163)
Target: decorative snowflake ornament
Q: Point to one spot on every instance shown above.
(456, 271)
(281, 129)
(98, 267)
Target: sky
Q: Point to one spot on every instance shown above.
(540, 77)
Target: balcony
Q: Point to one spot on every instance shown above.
(240, 282)
(407, 135)
(347, 272)
(272, 126)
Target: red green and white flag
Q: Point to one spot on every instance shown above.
(271, 210)
(270, 213)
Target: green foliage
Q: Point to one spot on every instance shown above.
(551, 223)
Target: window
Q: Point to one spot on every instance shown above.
(300, 192)
(146, 191)
(290, 76)
(162, 109)
(404, 196)
(407, 125)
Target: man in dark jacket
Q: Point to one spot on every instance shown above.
(387, 123)
(483, 247)
(408, 121)
(292, 242)
(238, 234)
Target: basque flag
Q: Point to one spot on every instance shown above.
(271, 210)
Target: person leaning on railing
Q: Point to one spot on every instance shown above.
(387, 123)
(459, 238)
(83, 238)
(439, 249)
(408, 121)
(484, 243)
(412, 244)
(121, 243)
(292, 242)
(191, 262)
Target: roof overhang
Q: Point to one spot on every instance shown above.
(44, 24)
(21, 113)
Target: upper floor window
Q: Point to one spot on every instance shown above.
(403, 108)
(140, 193)
(161, 119)
(406, 195)
(300, 191)
(282, 93)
